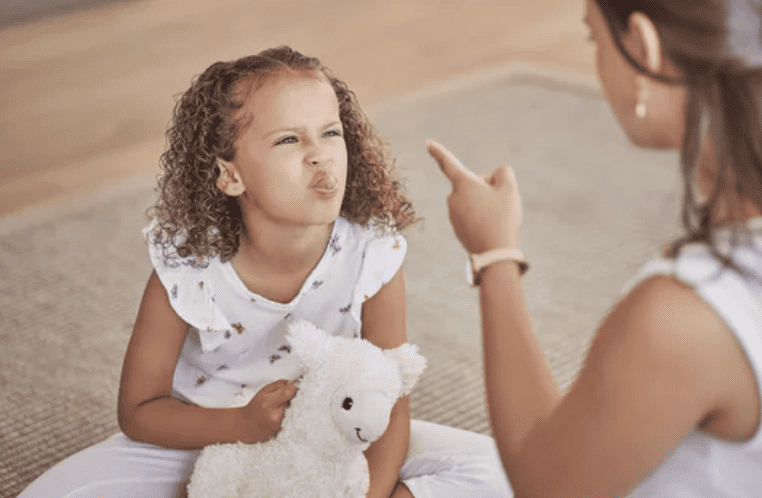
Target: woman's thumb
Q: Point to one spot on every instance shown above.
(501, 176)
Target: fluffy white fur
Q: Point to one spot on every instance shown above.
(343, 404)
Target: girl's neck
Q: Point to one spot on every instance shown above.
(279, 249)
(273, 261)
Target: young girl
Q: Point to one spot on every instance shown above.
(277, 203)
(668, 402)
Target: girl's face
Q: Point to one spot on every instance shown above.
(291, 159)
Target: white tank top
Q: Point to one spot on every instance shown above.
(705, 466)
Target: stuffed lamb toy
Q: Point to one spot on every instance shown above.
(343, 403)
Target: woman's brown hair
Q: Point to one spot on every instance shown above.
(716, 45)
(194, 218)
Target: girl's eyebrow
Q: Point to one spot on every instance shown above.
(292, 129)
(296, 129)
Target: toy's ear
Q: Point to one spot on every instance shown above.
(307, 341)
(411, 365)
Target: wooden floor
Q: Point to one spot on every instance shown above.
(85, 97)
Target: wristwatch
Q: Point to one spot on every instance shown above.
(477, 262)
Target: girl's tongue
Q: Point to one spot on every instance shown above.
(324, 182)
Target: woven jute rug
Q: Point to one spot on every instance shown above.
(71, 275)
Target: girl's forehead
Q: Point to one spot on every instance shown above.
(264, 89)
(285, 92)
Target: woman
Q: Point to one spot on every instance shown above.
(668, 401)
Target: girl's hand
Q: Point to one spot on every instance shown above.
(485, 212)
(264, 413)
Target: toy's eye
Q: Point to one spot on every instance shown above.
(347, 403)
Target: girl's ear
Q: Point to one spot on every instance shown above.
(229, 181)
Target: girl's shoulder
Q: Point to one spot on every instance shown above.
(191, 284)
(377, 253)
(163, 250)
(372, 237)
(174, 271)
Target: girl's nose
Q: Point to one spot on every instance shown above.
(317, 155)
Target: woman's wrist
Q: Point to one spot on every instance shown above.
(479, 262)
(506, 266)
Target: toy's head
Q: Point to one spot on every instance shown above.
(362, 380)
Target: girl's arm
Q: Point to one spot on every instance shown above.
(384, 324)
(148, 413)
(661, 363)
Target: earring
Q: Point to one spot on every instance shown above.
(643, 94)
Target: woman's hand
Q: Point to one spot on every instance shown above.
(485, 212)
(264, 413)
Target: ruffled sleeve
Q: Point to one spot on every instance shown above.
(191, 295)
(381, 259)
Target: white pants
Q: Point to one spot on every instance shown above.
(442, 462)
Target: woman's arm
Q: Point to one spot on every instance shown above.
(660, 364)
(384, 323)
(148, 413)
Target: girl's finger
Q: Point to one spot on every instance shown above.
(285, 394)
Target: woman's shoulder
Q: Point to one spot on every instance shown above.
(661, 331)
(666, 313)
(669, 291)
(687, 315)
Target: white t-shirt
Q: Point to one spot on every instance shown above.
(704, 466)
(236, 341)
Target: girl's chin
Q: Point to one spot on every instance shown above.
(327, 215)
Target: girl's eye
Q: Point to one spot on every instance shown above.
(286, 140)
(333, 133)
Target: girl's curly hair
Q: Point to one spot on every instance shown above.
(194, 218)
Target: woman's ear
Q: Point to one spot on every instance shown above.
(229, 181)
(646, 42)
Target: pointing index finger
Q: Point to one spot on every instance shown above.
(449, 164)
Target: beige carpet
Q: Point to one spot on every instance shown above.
(71, 275)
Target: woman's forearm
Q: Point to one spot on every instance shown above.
(520, 388)
(173, 424)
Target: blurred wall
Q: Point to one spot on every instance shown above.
(21, 11)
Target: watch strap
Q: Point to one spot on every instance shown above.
(485, 259)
